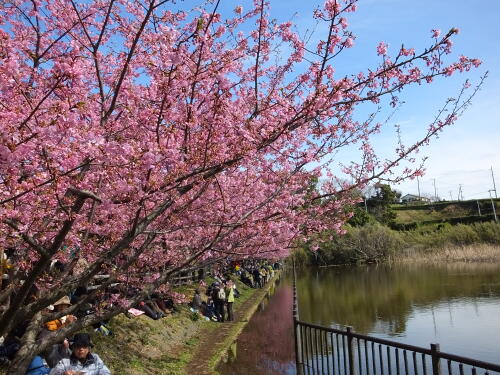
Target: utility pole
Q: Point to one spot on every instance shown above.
(451, 196)
(435, 190)
(418, 187)
(366, 207)
(460, 196)
(493, 206)
(494, 186)
(478, 208)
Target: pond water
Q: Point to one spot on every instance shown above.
(456, 305)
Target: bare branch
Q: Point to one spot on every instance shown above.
(28, 239)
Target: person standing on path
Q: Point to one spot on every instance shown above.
(230, 300)
(256, 277)
(219, 298)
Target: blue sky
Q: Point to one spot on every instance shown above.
(464, 153)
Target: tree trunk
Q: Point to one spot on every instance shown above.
(1, 267)
(28, 350)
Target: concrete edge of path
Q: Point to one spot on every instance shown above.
(212, 355)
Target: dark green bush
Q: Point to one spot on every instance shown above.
(370, 243)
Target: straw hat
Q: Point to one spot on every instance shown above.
(63, 301)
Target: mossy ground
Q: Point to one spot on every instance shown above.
(141, 345)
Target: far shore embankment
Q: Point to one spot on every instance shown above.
(377, 243)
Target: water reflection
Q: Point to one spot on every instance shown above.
(266, 344)
(455, 305)
(383, 298)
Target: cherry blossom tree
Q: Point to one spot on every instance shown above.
(142, 139)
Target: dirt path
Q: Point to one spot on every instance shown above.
(214, 342)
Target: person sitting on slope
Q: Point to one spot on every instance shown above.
(81, 359)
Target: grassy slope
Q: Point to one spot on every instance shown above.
(405, 214)
(145, 346)
(141, 345)
(409, 216)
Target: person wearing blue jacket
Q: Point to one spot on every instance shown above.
(38, 367)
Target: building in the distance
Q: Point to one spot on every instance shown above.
(411, 198)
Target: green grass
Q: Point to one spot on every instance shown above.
(441, 210)
(410, 216)
(453, 235)
(145, 346)
(141, 345)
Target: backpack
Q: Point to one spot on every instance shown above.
(221, 294)
(104, 330)
(209, 290)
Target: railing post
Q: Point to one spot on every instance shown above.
(350, 351)
(436, 365)
(296, 331)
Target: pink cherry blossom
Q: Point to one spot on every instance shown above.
(382, 48)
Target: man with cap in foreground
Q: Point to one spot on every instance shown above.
(81, 361)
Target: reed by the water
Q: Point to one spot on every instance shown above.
(482, 253)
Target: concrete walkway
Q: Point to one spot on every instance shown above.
(215, 342)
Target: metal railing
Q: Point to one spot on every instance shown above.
(182, 277)
(324, 350)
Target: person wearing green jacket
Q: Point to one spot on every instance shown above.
(230, 299)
